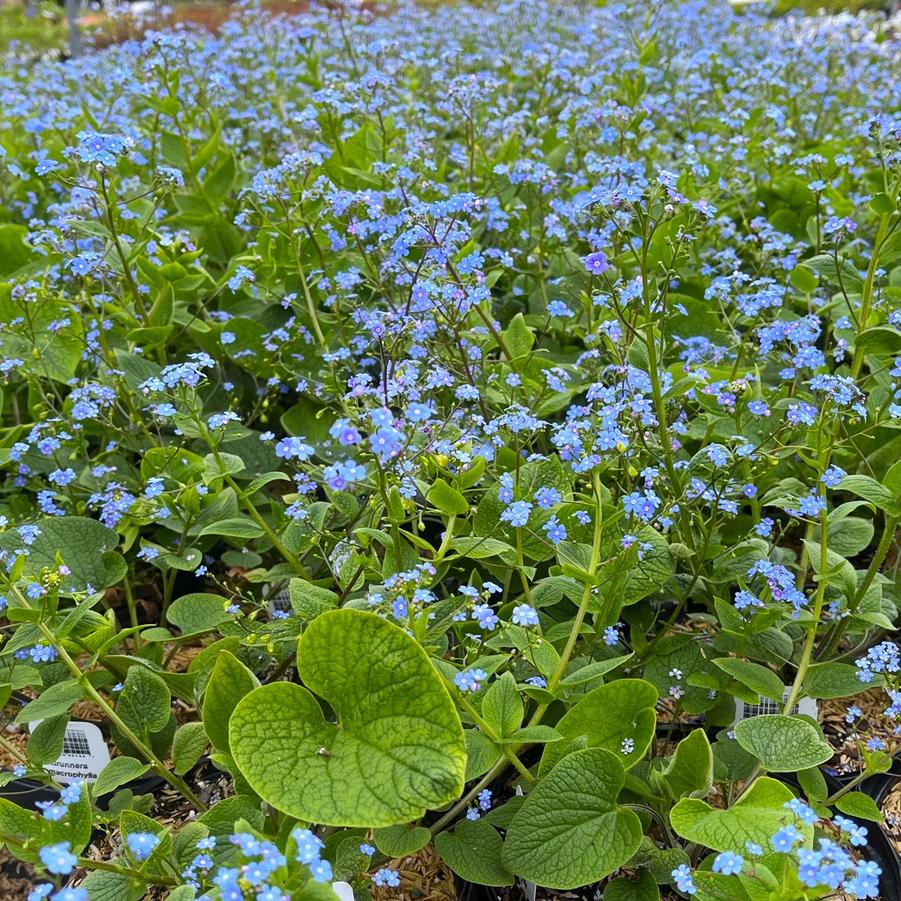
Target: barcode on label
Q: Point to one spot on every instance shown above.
(280, 602)
(75, 742)
(765, 706)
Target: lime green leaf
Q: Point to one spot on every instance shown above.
(783, 744)
(53, 701)
(690, 771)
(196, 613)
(860, 805)
(235, 527)
(594, 670)
(446, 499)
(396, 841)
(570, 831)
(473, 851)
(759, 678)
(397, 726)
(609, 715)
(308, 600)
(229, 682)
(753, 818)
(502, 706)
(518, 336)
(117, 772)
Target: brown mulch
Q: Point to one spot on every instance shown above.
(844, 738)
(891, 808)
(423, 877)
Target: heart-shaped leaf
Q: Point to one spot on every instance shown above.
(608, 716)
(473, 852)
(753, 818)
(396, 726)
(783, 744)
(570, 831)
(83, 544)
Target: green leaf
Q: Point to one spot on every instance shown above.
(117, 772)
(594, 670)
(473, 851)
(783, 744)
(45, 744)
(81, 543)
(229, 682)
(481, 754)
(869, 489)
(397, 726)
(235, 527)
(192, 614)
(518, 336)
(188, 745)
(760, 679)
(14, 252)
(145, 701)
(502, 706)
(832, 680)
(103, 886)
(396, 841)
(860, 805)
(53, 701)
(607, 716)
(446, 499)
(308, 600)
(570, 831)
(641, 887)
(813, 784)
(753, 818)
(690, 771)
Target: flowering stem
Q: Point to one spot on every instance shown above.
(838, 628)
(81, 677)
(507, 750)
(807, 652)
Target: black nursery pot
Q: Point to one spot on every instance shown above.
(877, 787)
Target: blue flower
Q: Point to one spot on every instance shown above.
(684, 879)
(524, 615)
(728, 864)
(596, 263)
(58, 858)
(470, 680)
(141, 844)
(386, 877)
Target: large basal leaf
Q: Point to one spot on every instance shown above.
(473, 852)
(397, 748)
(83, 544)
(754, 818)
(608, 716)
(783, 744)
(570, 831)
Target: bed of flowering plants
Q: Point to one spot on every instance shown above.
(433, 429)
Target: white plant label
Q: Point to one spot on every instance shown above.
(85, 754)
